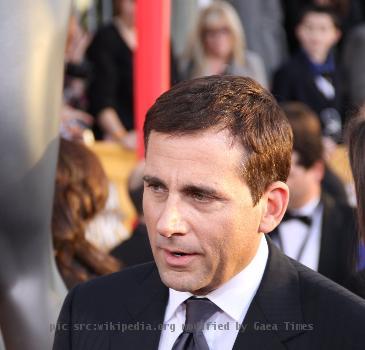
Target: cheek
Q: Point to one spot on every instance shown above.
(229, 42)
(224, 234)
(225, 43)
(209, 44)
(331, 40)
(294, 175)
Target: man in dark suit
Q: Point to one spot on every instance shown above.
(217, 157)
(317, 230)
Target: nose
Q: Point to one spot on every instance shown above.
(171, 221)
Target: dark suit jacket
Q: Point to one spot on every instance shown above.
(135, 250)
(295, 81)
(304, 309)
(338, 241)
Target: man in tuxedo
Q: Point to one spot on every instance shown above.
(217, 157)
(317, 230)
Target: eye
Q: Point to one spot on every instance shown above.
(158, 188)
(201, 197)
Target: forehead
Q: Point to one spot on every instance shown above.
(209, 155)
(214, 19)
(314, 18)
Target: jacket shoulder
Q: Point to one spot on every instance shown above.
(320, 295)
(121, 282)
(103, 297)
(293, 67)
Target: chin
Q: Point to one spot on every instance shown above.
(179, 280)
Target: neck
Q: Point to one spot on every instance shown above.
(318, 57)
(125, 23)
(127, 32)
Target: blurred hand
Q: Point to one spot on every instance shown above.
(74, 122)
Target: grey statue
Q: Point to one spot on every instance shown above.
(32, 37)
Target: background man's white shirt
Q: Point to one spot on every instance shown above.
(293, 233)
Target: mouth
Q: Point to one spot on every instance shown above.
(176, 258)
(179, 253)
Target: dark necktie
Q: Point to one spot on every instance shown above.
(307, 220)
(198, 311)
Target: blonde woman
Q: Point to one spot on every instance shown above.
(217, 46)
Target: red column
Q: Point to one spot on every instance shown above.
(152, 59)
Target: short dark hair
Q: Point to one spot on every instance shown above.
(306, 132)
(321, 9)
(356, 143)
(237, 104)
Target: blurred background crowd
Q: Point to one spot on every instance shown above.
(308, 53)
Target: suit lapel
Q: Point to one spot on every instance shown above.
(275, 312)
(147, 309)
(252, 334)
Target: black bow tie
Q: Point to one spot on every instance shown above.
(307, 220)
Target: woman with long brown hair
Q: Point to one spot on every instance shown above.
(81, 191)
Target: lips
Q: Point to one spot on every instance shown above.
(178, 258)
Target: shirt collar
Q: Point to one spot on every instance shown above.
(233, 297)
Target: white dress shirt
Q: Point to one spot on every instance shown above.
(293, 233)
(233, 299)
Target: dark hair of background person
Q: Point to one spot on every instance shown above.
(320, 9)
(307, 137)
(309, 146)
(356, 144)
(81, 191)
(237, 104)
(342, 7)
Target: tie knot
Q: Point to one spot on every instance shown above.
(198, 310)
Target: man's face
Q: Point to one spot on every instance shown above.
(303, 183)
(317, 34)
(201, 222)
(127, 9)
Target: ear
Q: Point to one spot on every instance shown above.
(338, 36)
(274, 204)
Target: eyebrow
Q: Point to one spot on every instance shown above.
(188, 189)
(204, 190)
(153, 180)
